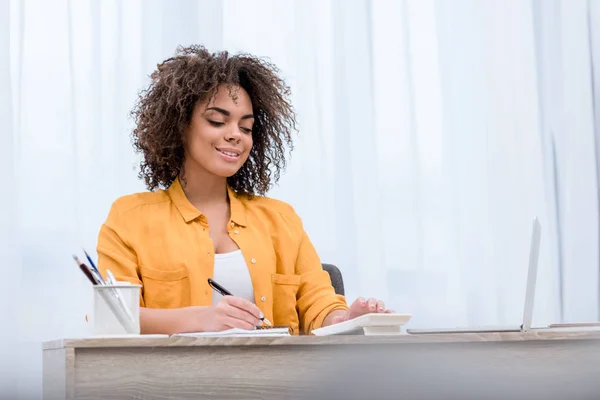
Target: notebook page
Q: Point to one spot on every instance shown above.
(236, 332)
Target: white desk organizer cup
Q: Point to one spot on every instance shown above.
(116, 309)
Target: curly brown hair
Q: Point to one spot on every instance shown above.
(193, 75)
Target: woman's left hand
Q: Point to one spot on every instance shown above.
(360, 307)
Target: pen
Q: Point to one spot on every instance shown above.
(111, 280)
(218, 288)
(90, 260)
(110, 277)
(224, 292)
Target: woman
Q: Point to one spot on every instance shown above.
(213, 129)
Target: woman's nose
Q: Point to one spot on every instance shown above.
(234, 134)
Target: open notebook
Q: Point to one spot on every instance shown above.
(236, 332)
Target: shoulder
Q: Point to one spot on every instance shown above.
(268, 204)
(271, 209)
(134, 203)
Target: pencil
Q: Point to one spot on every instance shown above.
(96, 277)
(84, 269)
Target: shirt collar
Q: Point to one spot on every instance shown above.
(190, 213)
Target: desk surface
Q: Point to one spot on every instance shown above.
(150, 341)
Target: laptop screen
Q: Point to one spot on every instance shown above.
(532, 274)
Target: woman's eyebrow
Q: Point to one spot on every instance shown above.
(227, 113)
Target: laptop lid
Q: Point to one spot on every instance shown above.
(534, 253)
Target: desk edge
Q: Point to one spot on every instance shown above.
(321, 340)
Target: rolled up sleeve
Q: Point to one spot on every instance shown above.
(316, 295)
(115, 254)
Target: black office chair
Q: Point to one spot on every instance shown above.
(336, 278)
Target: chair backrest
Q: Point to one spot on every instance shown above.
(336, 278)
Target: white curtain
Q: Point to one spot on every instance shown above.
(431, 134)
(569, 42)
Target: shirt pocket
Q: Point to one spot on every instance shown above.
(166, 288)
(285, 289)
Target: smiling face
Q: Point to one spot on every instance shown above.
(218, 139)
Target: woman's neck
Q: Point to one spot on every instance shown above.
(203, 188)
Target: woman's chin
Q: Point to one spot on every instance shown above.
(225, 172)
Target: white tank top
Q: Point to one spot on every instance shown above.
(231, 272)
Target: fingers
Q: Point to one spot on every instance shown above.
(372, 305)
(242, 315)
(240, 324)
(237, 313)
(244, 305)
(358, 308)
(359, 304)
(366, 306)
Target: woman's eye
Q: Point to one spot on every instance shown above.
(216, 123)
(247, 130)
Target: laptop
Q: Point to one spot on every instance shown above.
(529, 296)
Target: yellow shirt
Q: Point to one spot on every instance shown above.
(161, 241)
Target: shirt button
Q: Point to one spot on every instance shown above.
(263, 298)
(232, 224)
(254, 262)
(208, 254)
(236, 231)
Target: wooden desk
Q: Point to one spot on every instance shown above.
(534, 365)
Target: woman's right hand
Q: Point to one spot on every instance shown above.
(230, 312)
